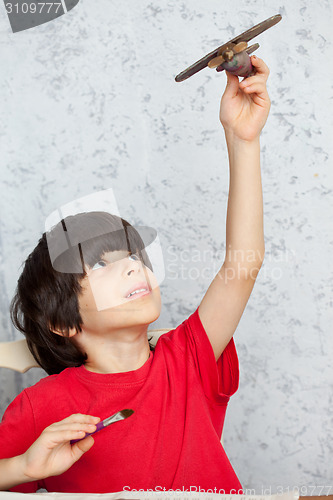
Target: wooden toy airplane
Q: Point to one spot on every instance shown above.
(232, 56)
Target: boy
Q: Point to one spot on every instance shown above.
(101, 359)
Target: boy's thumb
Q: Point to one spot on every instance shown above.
(83, 446)
(232, 84)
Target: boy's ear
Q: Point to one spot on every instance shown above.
(62, 333)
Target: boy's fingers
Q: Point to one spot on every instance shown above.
(260, 66)
(258, 95)
(249, 80)
(79, 418)
(74, 426)
(67, 435)
(231, 88)
(255, 88)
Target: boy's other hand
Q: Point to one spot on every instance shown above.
(52, 454)
(245, 105)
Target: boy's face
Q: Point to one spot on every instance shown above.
(105, 301)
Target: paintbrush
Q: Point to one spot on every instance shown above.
(120, 415)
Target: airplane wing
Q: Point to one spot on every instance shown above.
(244, 37)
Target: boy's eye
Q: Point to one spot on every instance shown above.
(134, 256)
(98, 265)
(103, 263)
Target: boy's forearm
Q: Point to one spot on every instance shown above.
(245, 245)
(11, 472)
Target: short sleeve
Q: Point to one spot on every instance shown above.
(17, 433)
(219, 378)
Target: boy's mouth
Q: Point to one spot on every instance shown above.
(138, 290)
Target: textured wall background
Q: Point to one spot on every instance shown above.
(89, 102)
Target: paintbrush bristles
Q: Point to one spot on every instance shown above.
(127, 413)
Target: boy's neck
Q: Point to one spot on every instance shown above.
(112, 356)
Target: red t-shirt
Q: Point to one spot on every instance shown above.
(172, 441)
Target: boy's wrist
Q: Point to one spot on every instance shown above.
(233, 140)
(242, 152)
(19, 465)
(12, 472)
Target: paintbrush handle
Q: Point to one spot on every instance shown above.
(99, 426)
(120, 415)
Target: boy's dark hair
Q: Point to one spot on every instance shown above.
(47, 298)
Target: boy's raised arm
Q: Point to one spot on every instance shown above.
(244, 109)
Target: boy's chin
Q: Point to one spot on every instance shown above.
(140, 312)
(134, 312)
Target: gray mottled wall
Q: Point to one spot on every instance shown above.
(89, 102)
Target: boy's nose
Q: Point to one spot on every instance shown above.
(132, 266)
(137, 267)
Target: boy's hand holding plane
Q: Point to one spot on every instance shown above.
(245, 105)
